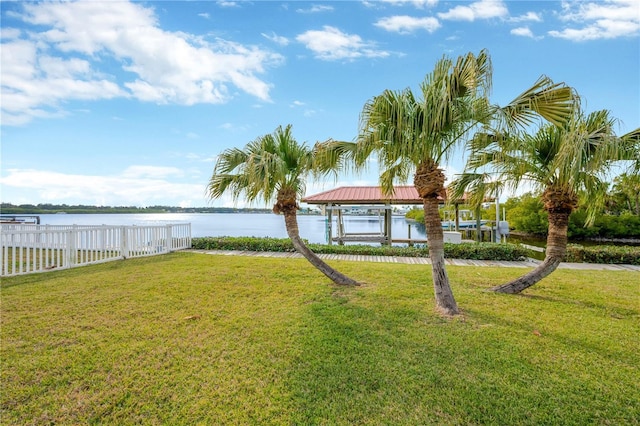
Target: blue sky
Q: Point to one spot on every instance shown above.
(128, 103)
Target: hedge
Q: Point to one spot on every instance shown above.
(476, 251)
(629, 255)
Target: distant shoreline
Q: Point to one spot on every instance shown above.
(29, 209)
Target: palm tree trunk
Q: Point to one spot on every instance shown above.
(445, 301)
(556, 249)
(291, 223)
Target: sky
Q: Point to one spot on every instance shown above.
(128, 103)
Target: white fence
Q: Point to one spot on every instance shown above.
(39, 248)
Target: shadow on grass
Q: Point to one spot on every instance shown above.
(387, 365)
(543, 329)
(381, 362)
(342, 375)
(617, 312)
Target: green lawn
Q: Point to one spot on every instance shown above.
(189, 339)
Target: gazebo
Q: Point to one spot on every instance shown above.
(344, 198)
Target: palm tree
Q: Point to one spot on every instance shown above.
(272, 166)
(413, 134)
(560, 161)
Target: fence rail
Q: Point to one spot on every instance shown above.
(27, 249)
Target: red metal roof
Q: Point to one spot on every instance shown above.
(365, 195)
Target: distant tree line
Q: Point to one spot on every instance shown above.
(619, 218)
(8, 208)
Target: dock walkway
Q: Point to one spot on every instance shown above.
(530, 263)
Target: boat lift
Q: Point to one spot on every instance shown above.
(384, 214)
(18, 219)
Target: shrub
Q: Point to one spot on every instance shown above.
(526, 214)
(415, 214)
(243, 243)
(629, 255)
(476, 251)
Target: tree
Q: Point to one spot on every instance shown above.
(560, 161)
(272, 166)
(413, 134)
(526, 213)
(627, 187)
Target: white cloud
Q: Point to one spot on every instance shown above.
(33, 84)
(600, 20)
(608, 9)
(204, 15)
(316, 9)
(483, 9)
(59, 63)
(527, 17)
(407, 24)
(138, 185)
(192, 156)
(9, 33)
(228, 4)
(234, 128)
(523, 32)
(155, 172)
(307, 111)
(416, 3)
(283, 41)
(332, 44)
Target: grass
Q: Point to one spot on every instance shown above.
(188, 338)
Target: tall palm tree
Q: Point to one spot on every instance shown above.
(561, 162)
(272, 166)
(413, 134)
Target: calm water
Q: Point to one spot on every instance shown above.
(312, 228)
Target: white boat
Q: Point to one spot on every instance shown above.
(462, 224)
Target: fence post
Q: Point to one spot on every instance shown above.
(71, 254)
(169, 238)
(124, 245)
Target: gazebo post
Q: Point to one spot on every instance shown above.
(387, 224)
(329, 222)
(340, 227)
(457, 210)
(478, 226)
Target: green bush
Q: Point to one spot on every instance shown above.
(476, 251)
(628, 255)
(243, 243)
(486, 251)
(526, 214)
(626, 225)
(415, 214)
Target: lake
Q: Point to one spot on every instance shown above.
(312, 227)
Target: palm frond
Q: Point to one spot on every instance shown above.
(394, 174)
(555, 102)
(266, 165)
(333, 156)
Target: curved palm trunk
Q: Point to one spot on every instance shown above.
(556, 249)
(291, 223)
